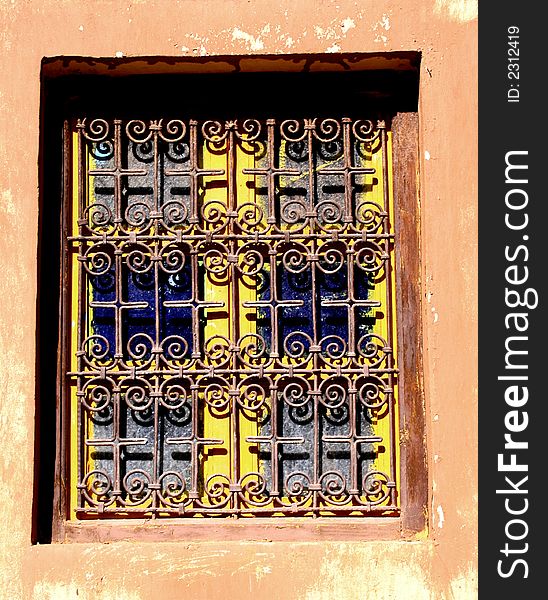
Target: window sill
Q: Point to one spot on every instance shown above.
(257, 529)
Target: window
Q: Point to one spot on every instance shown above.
(232, 340)
(234, 337)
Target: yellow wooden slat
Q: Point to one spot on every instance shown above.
(216, 459)
(381, 420)
(396, 440)
(85, 318)
(73, 452)
(247, 317)
(219, 322)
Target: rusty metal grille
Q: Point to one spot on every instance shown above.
(230, 318)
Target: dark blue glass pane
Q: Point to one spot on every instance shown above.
(103, 289)
(176, 320)
(138, 287)
(141, 288)
(295, 286)
(333, 319)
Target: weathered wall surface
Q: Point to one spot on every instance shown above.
(440, 566)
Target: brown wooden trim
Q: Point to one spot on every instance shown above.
(60, 508)
(404, 60)
(414, 475)
(284, 529)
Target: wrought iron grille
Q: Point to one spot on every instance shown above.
(231, 318)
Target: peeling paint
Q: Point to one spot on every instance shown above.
(381, 38)
(261, 571)
(253, 43)
(8, 205)
(441, 517)
(44, 590)
(347, 24)
(457, 10)
(332, 32)
(385, 22)
(383, 582)
(198, 49)
(383, 25)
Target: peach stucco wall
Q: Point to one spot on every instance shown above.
(441, 564)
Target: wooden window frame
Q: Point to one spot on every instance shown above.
(412, 521)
